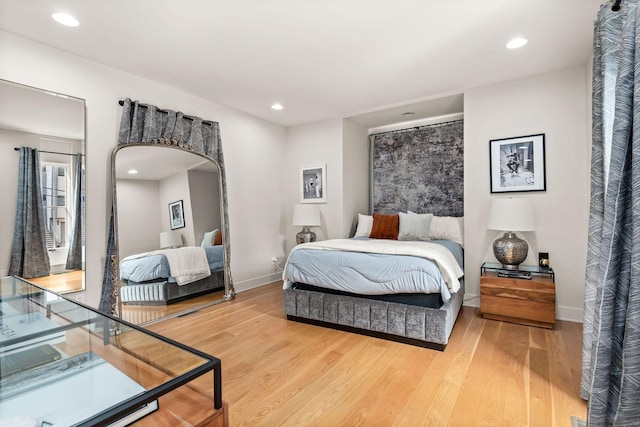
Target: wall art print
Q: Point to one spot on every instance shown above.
(517, 164)
(176, 215)
(313, 184)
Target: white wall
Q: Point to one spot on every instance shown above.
(344, 147)
(141, 231)
(314, 144)
(204, 188)
(253, 150)
(554, 104)
(173, 189)
(356, 164)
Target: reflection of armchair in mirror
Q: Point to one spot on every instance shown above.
(42, 155)
(169, 224)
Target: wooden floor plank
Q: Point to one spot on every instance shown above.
(70, 281)
(279, 372)
(541, 409)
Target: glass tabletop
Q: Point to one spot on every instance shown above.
(496, 266)
(64, 363)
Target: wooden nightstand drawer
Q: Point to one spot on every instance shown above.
(530, 302)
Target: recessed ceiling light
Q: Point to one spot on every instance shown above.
(516, 43)
(408, 114)
(132, 171)
(65, 19)
(277, 107)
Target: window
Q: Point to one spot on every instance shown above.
(55, 188)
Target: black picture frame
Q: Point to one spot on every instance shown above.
(517, 164)
(176, 215)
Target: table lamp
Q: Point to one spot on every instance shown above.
(170, 239)
(306, 215)
(510, 215)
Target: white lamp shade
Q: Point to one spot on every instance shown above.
(170, 239)
(511, 214)
(306, 215)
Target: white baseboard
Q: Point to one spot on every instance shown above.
(471, 300)
(570, 314)
(256, 282)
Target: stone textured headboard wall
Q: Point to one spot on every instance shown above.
(419, 169)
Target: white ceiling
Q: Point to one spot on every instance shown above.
(320, 59)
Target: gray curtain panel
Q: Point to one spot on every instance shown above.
(611, 341)
(146, 123)
(74, 257)
(426, 163)
(29, 256)
(108, 296)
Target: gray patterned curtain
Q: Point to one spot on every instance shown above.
(74, 257)
(108, 296)
(29, 256)
(611, 340)
(146, 123)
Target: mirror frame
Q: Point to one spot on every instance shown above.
(229, 291)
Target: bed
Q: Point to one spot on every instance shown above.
(417, 173)
(171, 275)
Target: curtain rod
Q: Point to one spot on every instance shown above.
(206, 122)
(51, 152)
(616, 6)
(417, 127)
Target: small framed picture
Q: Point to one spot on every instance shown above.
(313, 184)
(517, 164)
(176, 215)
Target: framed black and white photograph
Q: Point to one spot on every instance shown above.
(313, 184)
(176, 215)
(517, 164)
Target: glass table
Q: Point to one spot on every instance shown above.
(526, 269)
(64, 363)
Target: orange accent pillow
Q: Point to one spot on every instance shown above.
(385, 227)
(218, 238)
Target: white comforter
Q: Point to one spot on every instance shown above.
(442, 257)
(187, 264)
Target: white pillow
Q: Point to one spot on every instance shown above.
(447, 228)
(414, 226)
(365, 223)
(209, 238)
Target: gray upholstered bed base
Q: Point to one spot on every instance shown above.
(426, 327)
(163, 292)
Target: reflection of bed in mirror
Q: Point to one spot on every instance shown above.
(172, 275)
(167, 176)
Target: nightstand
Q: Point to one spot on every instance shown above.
(519, 300)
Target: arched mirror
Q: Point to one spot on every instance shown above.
(169, 224)
(48, 128)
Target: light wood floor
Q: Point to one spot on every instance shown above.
(71, 281)
(278, 372)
